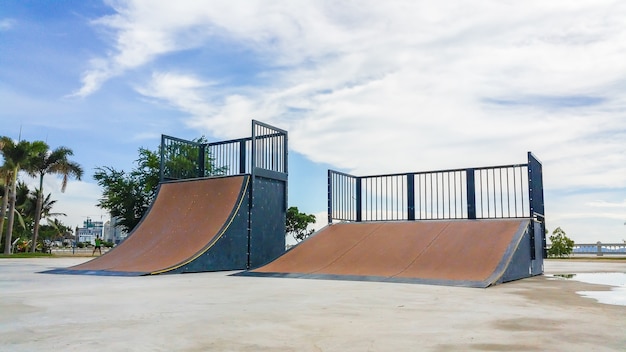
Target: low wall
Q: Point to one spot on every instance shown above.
(600, 249)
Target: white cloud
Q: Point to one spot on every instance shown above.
(7, 24)
(605, 204)
(93, 79)
(378, 87)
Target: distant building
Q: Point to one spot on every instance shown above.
(90, 230)
(112, 232)
(108, 231)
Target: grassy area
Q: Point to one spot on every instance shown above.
(606, 257)
(26, 255)
(56, 253)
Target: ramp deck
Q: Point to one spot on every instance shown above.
(474, 253)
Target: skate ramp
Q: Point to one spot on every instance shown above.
(472, 253)
(192, 226)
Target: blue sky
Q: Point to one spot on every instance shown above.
(367, 87)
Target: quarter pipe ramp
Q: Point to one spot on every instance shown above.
(192, 226)
(472, 253)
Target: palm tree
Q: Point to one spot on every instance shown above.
(45, 162)
(60, 228)
(22, 203)
(27, 201)
(15, 155)
(28, 204)
(5, 180)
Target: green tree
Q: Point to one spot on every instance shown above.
(46, 162)
(16, 155)
(23, 206)
(127, 195)
(58, 229)
(28, 200)
(181, 160)
(298, 223)
(561, 245)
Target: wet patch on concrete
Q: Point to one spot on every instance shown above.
(617, 281)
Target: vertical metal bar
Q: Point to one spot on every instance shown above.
(359, 190)
(330, 197)
(233, 159)
(515, 192)
(251, 195)
(354, 202)
(449, 199)
(531, 204)
(501, 195)
(456, 194)
(379, 204)
(419, 195)
(232, 162)
(369, 188)
(495, 202)
(522, 190)
(399, 203)
(430, 208)
(461, 191)
(201, 159)
(471, 194)
(340, 195)
(352, 183)
(267, 150)
(488, 194)
(422, 196)
(285, 169)
(343, 197)
(382, 198)
(402, 200)
(395, 197)
(379, 201)
(437, 195)
(508, 194)
(410, 196)
(374, 198)
(386, 197)
(162, 156)
(363, 198)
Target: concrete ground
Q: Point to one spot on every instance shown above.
(216, 312)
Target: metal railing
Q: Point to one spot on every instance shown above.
(600, 249)
(473, 193)
(269, 148)
(182, 159)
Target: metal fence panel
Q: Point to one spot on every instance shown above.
(473, 193)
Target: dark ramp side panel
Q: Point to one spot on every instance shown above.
(186, 221)
(472, 253)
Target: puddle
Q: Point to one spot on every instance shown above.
(617, 294)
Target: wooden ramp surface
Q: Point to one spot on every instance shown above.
(185, 220)
(460, 252)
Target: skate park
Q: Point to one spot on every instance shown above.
(473, 227)
(426, 289)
